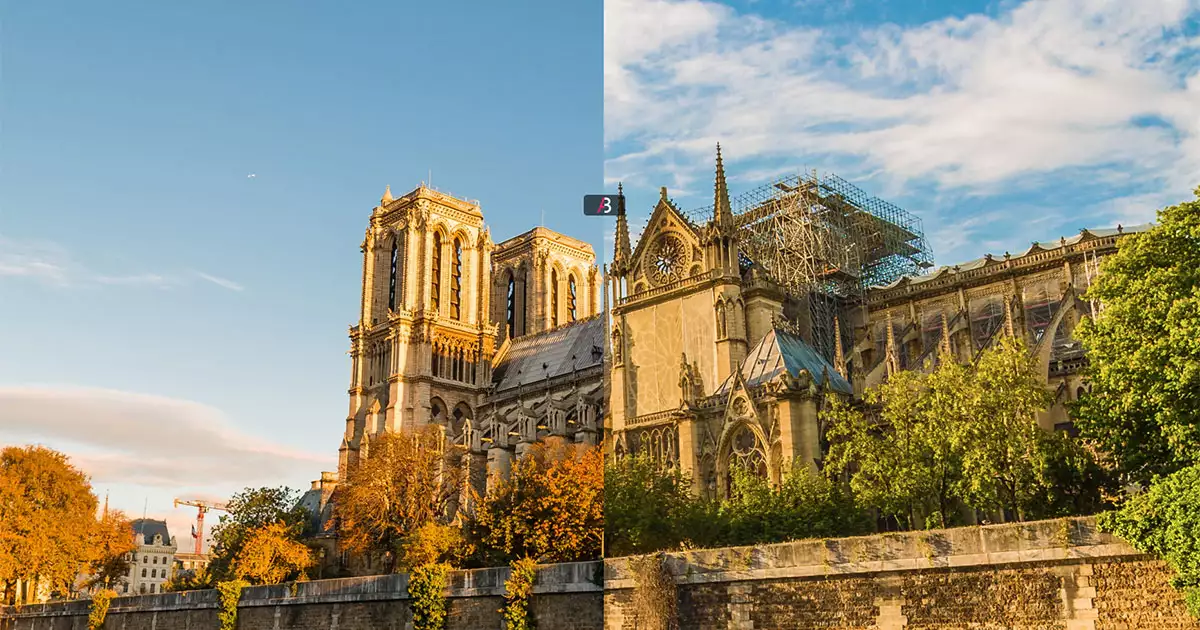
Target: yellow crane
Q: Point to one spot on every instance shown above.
(203, 507)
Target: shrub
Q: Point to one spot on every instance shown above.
(518, 591)
(427, 590)
(99, 609)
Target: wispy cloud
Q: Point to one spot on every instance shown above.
(52, 264)
(219, 281)
(129, 438)
(1045, 99)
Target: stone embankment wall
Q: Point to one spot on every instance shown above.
(1046, 575)
(566, 596)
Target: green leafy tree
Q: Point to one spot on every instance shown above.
(1165, 521)
(1143, 348)
(250, 510)
(647, 509)
(906, 460)
(959, 435)
(1003, 446)
(804, 505)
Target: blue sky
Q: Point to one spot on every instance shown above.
(178, 326)
(997, 123)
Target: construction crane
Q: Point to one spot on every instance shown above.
(203, 507)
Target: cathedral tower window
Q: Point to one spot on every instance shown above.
(392, 275)
(456, 281)
(571, 297)
(435, 286)
(512, 305)
(553, 298)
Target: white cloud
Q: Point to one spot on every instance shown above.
(120, 437)
(221, 282)
(965, 107)
(50, 263)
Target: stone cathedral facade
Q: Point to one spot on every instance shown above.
(498, 344)
(715, 365)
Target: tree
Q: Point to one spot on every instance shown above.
(1143, 349)
(1003, 443)
(409, 479)
(47, 516)
(250, 510)
(189, 580)
(272, 555)
(906, 461)
(110, 543)
(960, 435)
(648, 509)
(550, 509)
(1165, 521)
(804, 505)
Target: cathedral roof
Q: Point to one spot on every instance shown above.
(1036, 247)
(555, 352)
(780, 350)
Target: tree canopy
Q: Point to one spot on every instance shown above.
(408, 479)
(271, 555)
(248, 511)
(1143, 348)
(551, 508)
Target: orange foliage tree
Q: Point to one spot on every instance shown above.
(110, 540)
(551, 508)
(272, 555)
(47, 517)
(406, 480)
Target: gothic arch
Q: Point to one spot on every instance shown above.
(743, 443)
(438, 411)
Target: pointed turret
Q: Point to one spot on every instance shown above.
(891, 356)
(722, 212)
(387, 195)
(946, 348)
(839, 357)
(622, 251)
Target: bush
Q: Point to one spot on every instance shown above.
(427, 590)
(804, 505)
(99, 609)
(432, 543)
(518, 591)
(229, 593)
(1165, 521)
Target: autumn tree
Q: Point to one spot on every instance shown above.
(248, 511)
(407, 479)
(551, 507)
(271, 555)
(109, 545)
(1142, 407)
(47, 519)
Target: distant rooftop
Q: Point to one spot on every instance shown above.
(555, 352)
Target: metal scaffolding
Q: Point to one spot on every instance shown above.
(825, 241)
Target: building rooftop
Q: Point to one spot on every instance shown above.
(147, 528)
(780, 350)
(555, 352)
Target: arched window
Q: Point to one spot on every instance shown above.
(512, 305)
(435, 285)
(553, 298)
(392, 276)
(456, 282)
(571, 296)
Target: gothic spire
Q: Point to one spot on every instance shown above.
(721, 209)
(622, 252)
(946, 348)
(893, 361)
(387, 195)
(839, 357)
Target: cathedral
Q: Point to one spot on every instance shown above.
(729, 325)
(499, 345)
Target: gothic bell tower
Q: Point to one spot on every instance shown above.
(422, 349)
